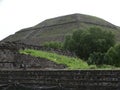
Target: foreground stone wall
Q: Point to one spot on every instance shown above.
(63, 79)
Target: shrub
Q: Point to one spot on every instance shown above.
(54, 45)
(97, 58)
(113, 55)
(106, 67)
(93, 67)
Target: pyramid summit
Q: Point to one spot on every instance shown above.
(55, 29)
(75, 18)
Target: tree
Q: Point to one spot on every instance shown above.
(85, 42)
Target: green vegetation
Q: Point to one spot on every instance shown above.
(71, 63)
(113, 55)
(94, 45)
(85, 42)
(106, 67)
(53, 44)
(97, 58)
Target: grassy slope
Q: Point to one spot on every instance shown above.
(72, 63)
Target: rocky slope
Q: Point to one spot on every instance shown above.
(55, 29)
(10, 58)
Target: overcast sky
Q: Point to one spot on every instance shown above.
(18, 14)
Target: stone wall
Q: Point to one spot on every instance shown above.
(63, 79)
(15, 46)
(7, 56)
(10, 58)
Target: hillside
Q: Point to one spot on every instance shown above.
(55, 29)
(65, 62)
(69, 62)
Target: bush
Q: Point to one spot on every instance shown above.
(69, 43)
(85, 42)
(54, 45)
(97, 58)
(113, 55)
(106, 67)
(93, 67)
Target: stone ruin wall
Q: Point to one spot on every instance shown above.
(60, 79)
(63, 79)
(10, 58)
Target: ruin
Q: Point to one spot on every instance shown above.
(56, 29)
(61, 79)
(24, 72)
(41, 74)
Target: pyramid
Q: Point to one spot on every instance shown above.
(55, 29)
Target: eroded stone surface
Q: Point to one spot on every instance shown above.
(10, 58)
